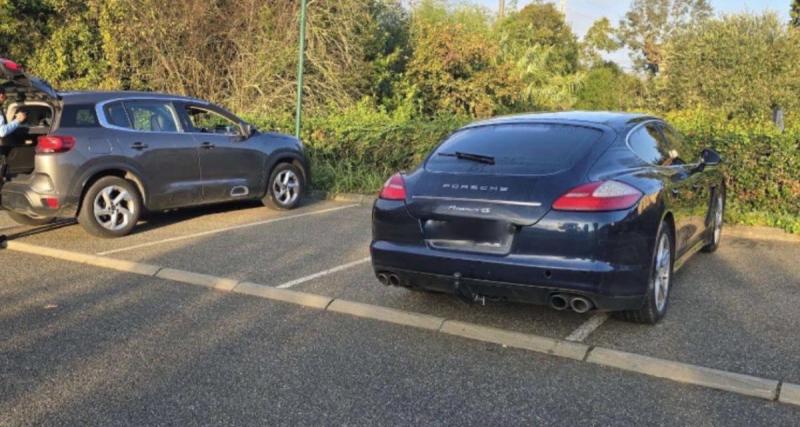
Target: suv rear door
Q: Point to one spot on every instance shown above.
(230, 168)
(151, 136)
(15, 74)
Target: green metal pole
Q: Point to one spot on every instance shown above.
(301, 58)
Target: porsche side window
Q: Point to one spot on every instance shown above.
(648, 143)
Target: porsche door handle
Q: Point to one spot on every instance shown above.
(207, 145)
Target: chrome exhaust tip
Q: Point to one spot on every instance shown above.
(580, 305)
(383, 278)
(558, 302)
(394, 280)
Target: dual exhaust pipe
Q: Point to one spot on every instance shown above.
(577, 304)
(389, 279)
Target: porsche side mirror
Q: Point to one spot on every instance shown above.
(709, 157)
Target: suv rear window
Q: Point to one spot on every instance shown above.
(519, 149)
(78, 116)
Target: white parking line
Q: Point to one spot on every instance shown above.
(583, 331)
(223, 230)
(322, 273)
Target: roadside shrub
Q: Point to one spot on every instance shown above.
(357, 149)
(761, 165)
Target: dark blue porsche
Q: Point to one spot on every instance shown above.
(578, 210)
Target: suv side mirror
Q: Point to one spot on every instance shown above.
(709, 157)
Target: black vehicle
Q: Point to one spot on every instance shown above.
(107, 157)
(576, 210)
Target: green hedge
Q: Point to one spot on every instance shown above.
(761, 166)
(358, 149)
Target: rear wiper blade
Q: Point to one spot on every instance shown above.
(489, 160)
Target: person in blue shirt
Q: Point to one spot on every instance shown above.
(7, 128)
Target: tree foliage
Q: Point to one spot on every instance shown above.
(545, 56)
(795, 13)
(456, 67)
(599, 39)
(650, 23)
(742, 64)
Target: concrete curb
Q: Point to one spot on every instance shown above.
(283, 295)
(790, 393)
(685, 373)
(759, 233)
(364, 199)
(660, 368)
(535, 343)
(390, 315)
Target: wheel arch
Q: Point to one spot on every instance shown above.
(118, 171)
(292, 158)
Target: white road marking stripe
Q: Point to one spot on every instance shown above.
(322, 273)
(583, 331)
(222, 230)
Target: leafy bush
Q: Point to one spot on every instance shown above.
(357, 149)
(761, 165)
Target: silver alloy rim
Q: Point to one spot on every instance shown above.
(113, 208)
(286, 187)
(718, 220)
(661, 286)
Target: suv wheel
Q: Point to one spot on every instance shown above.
(29, 220)
(285, 187)
(110, 208)
(657, 298)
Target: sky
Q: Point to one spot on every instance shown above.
(582, 13)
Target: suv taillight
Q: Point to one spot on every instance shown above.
(55, 144)
(11, 65)
(598, 196)
(394, 189)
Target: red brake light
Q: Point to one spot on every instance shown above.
(55, 144)
(598, 196)
(394, 189)
(11, 65)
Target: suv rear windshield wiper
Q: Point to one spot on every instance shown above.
(480, 158)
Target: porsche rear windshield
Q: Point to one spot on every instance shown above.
(520, 149)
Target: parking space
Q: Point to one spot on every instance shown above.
(84, 345)
(735, 310)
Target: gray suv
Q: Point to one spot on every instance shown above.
(108, 157)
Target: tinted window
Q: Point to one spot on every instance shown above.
(648, 143)
(203, 120)
(116, 115)
(152, 116)
(78, 116)
(527, 149)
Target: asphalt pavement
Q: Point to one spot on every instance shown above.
(86, 345)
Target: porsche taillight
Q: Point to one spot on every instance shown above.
(598, 196)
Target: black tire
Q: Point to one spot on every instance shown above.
(27, 220)
(718, 215)
(651, 313)
(283, 195)
(121, 223)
